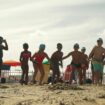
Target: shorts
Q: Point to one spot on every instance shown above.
(55, 66)
(76, 65)
(97, 66)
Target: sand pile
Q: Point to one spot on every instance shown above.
(64, 86)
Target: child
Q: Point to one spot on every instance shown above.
(2, 47)
(56, 60)
(24, 58)
(96, 55)
(76, 63)
(37, 59)
(84, 64)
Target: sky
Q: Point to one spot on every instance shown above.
(51, 22)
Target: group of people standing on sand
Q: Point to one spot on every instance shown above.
(80, 62)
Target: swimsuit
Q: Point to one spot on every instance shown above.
(97, 66)
(39, 57)
(76, 65)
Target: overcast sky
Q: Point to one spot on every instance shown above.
(50, 22)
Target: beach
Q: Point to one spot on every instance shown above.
(16, 94)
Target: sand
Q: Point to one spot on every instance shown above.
(16, 94)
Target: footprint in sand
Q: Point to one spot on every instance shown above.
(89, 99)
(4, 86)
(102, 96)
(1, 102)
(25, 102)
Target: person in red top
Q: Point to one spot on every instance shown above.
(37, 59)
(24, 58)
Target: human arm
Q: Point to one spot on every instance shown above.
(104, 57)
(20, 57)
(66, 56)
(92, 53)
(32, 57)
(48, 58)
(6, 45)
(87, 61)
(61, 62)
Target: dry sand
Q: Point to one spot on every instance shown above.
(15, 94)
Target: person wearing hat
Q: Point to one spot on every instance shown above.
(96, 57)
(37, 59)
(76, 63)
(2, 47)
(84, 63)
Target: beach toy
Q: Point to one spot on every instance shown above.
(67, 74)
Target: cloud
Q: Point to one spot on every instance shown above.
(50, 22)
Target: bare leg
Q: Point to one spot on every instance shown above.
(23, 74)
(93, 76)
(58, 75)
(35, 72)
(71, 76)
(42, 74)
(56, 71)
(93, 73)
(0, 72)
(96, 77)
(80, 75)
(101, 78)
(26, 77)
(0, 68)
(84, 75)
(53, 77)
